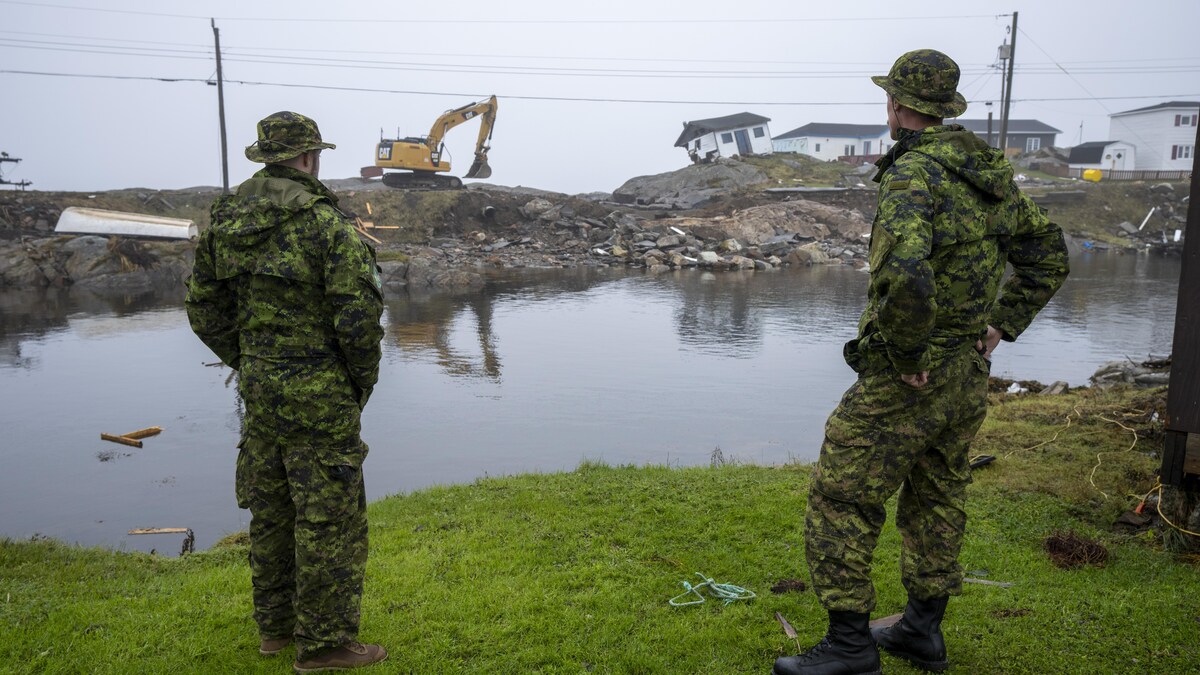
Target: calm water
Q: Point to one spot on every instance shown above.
(544, 370)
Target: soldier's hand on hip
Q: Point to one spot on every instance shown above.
(989, 343)
(916, 380)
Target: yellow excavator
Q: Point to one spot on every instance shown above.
(420, 158)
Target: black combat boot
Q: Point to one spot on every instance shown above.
(847, 649)
(917, 636)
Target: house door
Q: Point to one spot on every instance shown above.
(743, 141)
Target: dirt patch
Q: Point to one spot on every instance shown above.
(1069, 550)
(789, 586)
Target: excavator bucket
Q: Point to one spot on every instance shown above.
(479, 168)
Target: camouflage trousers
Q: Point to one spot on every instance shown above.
(308, 539)
(884, 436)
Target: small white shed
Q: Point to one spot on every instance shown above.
(1104, 155)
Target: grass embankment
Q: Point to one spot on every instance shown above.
(571, 572)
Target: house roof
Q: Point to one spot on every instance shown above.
(1014, 126)
(1189, 105)
(1088, 153)
(830, 130)
(697, 128)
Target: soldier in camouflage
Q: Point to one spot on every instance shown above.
(949, 218)
(285, 293)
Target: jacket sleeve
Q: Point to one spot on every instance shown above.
(1039, 259)
(901, 276)
(353, 288)
(211, 305)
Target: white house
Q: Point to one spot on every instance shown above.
(741, 134)
(1165, 134)
(829, 141)
(1104, 155)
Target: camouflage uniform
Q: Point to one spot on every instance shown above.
(284, 292)
(949, 218)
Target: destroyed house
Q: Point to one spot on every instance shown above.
(741, 134)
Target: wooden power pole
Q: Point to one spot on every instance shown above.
(1012, 61)
(221, 110)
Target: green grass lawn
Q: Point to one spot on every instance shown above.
(571, 572)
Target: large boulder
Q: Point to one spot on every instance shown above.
(689, 187)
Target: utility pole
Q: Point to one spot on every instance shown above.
(18, 183)
(221, 110)
(1012, 60)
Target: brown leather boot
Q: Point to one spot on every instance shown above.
(350, 655)
(272, 646)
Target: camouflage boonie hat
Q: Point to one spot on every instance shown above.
(285, 135)
(925, 80)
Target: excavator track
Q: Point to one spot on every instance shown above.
(402, 180)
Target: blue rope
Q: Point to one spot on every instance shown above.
(726, 592)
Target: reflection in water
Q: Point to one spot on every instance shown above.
(543, 369)
(425, 327)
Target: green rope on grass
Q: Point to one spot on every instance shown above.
(726, 592)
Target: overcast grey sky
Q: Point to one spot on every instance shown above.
(589, 95)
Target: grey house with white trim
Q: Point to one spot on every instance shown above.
(1023, 135)
(740, 134)
(829, 141)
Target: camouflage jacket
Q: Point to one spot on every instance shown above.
(281, 276)
(949, 218)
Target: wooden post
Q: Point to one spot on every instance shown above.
(1012, 60)
(1183, 396)
(221, 110)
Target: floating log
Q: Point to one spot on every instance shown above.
(144, 433)
(121, 439)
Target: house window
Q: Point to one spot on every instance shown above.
(726, 138)
(848, 150)
(758, 132)
(1032, 144)
(1181, 151)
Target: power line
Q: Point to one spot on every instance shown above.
(550, 98)
(280, 19)
(483, 69)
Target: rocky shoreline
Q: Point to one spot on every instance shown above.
(727, 216)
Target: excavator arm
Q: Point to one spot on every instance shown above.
(452, 118)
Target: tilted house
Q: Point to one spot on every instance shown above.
(1023, 135)
(1105, 155)
(830, 141)
(1165, 134)
(741, 134)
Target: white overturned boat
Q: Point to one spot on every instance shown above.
(80, 220)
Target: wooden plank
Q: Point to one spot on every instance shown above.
(1191, 455)
(160, 530)
(120, 439)
(144, 433)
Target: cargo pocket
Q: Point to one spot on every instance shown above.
(243, 479)
(847, 456)
(335, 486)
